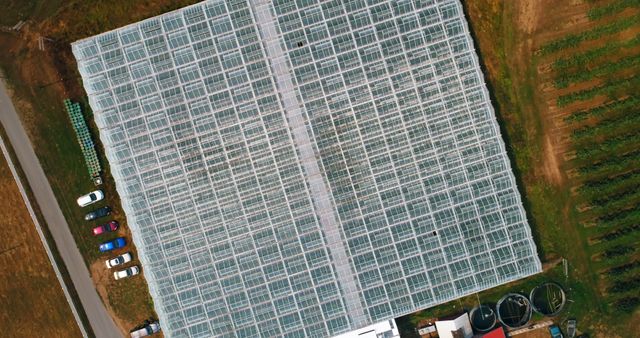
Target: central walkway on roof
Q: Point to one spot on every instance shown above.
(319, 190)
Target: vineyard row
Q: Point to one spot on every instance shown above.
(584, 58)
(592, 34)
(621, 104)
(609, 88)
(610, 9)
(603, 69)
(614, 124)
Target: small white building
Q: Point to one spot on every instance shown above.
(455, 327)
(386, 329)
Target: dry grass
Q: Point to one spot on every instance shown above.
(30, 296)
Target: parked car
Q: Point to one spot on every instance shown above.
(119, 260)
(113, 244)
(128, 272)
(146, 330)
(555, 332)
(90, 198)
(104, 228)
(571, 328)
(102, 212)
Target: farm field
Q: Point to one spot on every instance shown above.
(593, 103)
(30, 295)
(40, 80)
(565, 78)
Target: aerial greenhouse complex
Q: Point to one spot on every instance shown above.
(305, 168)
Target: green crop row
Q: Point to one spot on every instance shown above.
(622, 104)
(616, 209)
(592, 34)
(608, 146)
(615, 124)
(618, 250)
(609, 88)
(627, 304)
(610, 48)
(610, 9)
(621, 269)
(612, 164)
(604, 69)
(615, 217)
(609, 184)
(615, 234)
(611, 200)
(625, 285)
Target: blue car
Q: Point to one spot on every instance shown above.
(555, 331)
(113, 244)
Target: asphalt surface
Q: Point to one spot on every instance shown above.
(101, 323)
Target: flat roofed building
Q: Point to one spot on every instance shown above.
(305, 168)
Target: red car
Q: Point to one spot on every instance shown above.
(107, 227)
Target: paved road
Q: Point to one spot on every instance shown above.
(101, 323)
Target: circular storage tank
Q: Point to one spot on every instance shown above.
(483, 318)
(514, 310)
(547, 299)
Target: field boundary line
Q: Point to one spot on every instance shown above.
(32, 214)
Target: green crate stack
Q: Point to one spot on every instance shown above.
(84, 138)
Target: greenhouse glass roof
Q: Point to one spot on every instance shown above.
(305, 168)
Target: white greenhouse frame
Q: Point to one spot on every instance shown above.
(306, 168)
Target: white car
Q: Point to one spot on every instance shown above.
(90, 198)
(119, 260)
(128, 272)
(146, 330)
